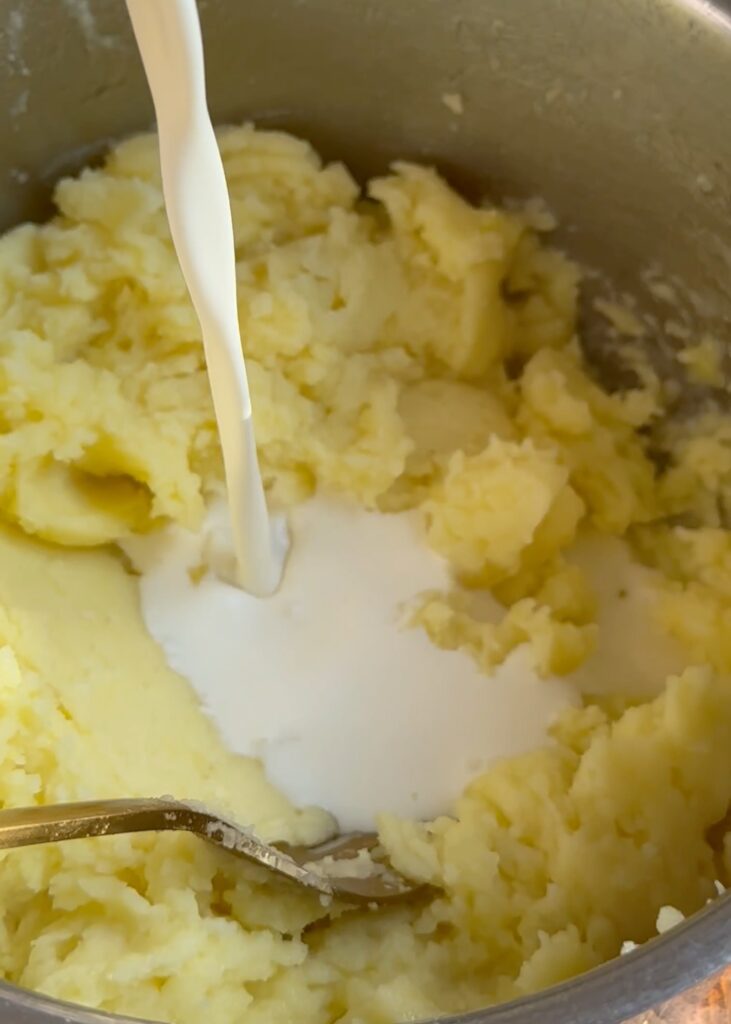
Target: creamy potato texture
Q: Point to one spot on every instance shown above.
(404, 349)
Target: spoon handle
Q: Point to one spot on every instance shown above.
(29, 826)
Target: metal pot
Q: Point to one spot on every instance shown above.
(615, 111)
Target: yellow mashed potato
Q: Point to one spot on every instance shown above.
(408, 350)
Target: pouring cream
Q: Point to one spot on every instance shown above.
(199, 214)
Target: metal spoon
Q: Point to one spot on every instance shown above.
(321, 868)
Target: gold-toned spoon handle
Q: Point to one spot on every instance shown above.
(29, 826)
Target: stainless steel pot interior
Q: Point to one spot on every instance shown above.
(615, 111)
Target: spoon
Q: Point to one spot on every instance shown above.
(322, 868)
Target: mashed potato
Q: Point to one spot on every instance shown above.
(408, 350)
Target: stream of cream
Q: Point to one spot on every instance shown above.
(196, 199)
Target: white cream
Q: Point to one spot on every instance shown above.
(634, 655)
(346, 708)
(197, 204)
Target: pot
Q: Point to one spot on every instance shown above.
(615, 111)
